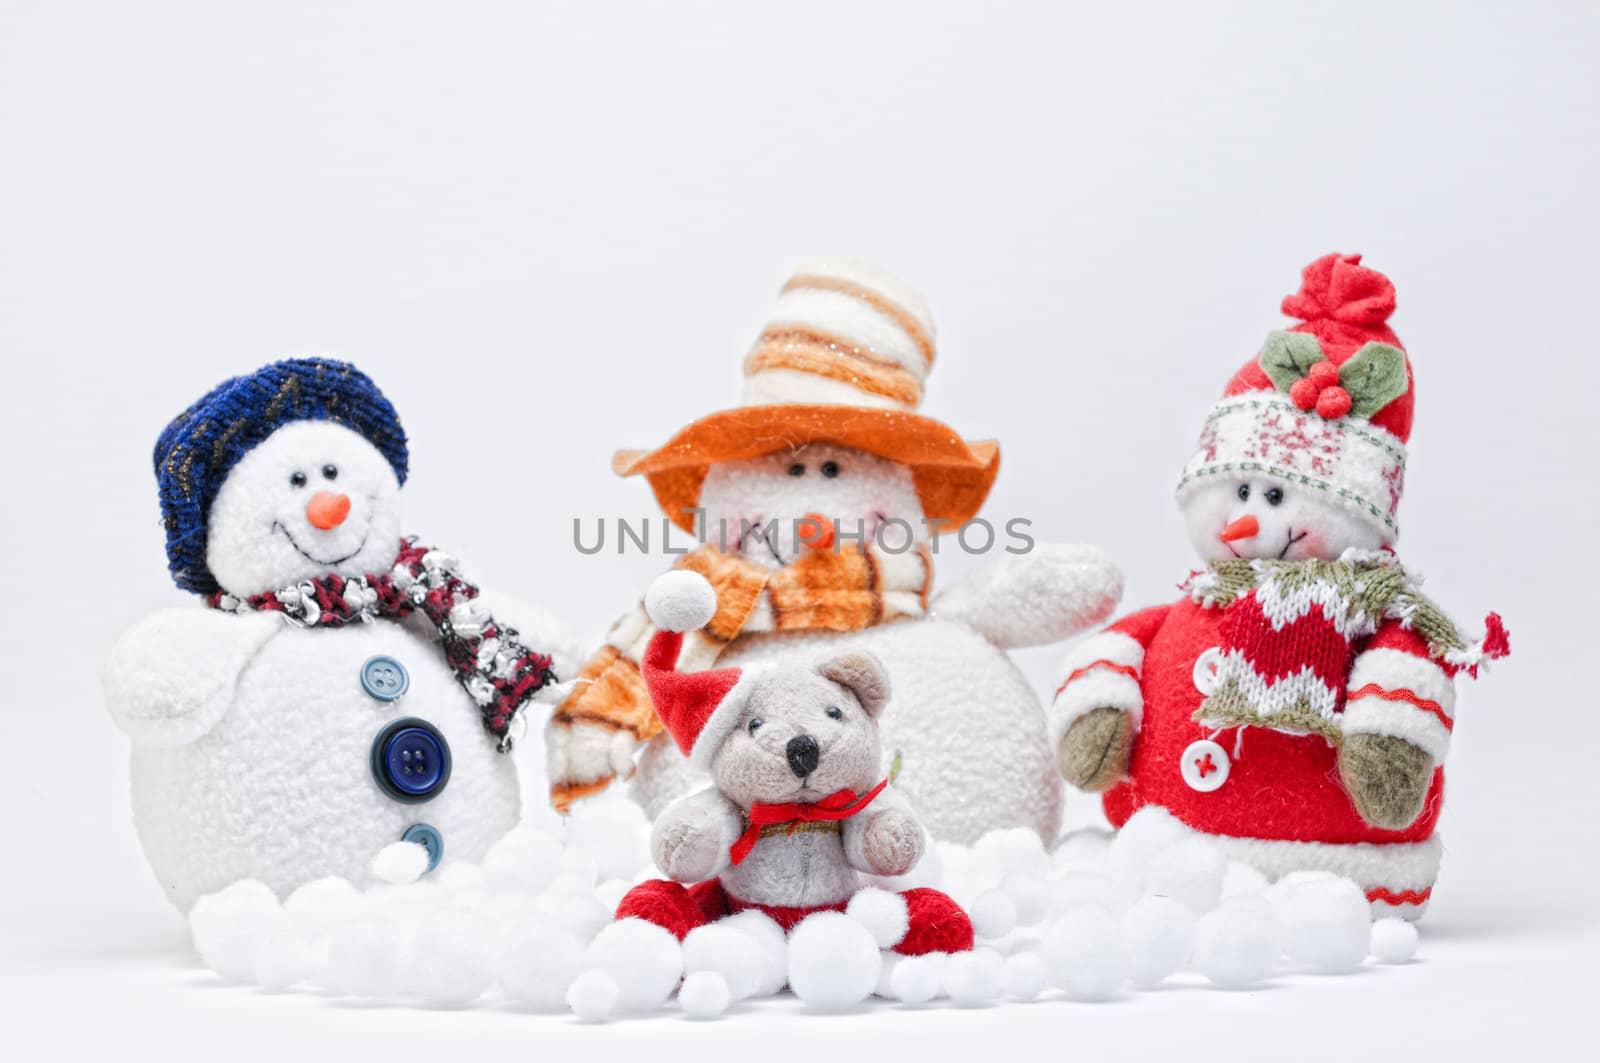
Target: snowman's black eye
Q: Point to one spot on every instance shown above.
(755, 725)
(297, 479)
(1244, 492)
(1274, 496)
(797, 469)
(330, 472)
(834, 712)
(830, 469)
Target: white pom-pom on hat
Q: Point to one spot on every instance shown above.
(680, 601)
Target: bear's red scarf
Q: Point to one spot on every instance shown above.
(490, 662)
(839, 805)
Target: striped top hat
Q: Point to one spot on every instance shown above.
(843, 359)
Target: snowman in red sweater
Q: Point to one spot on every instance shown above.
(1297, 703)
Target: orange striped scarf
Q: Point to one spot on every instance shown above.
(824, 590)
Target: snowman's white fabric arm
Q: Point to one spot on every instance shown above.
(1396, 689)
(1051, 593)
(171, 676)
(1105, 671)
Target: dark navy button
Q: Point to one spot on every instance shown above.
(384, 678)
(411, 760)
(428, 837)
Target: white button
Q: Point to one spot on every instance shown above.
(1205, 670)
(1204, 766)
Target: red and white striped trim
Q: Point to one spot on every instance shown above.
(1393, 692)
(1398, 878)
(1100, 673)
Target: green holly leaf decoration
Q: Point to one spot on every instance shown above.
(1374, 376)
(1288, 356)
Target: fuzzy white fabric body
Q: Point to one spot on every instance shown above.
(274, 784)
(968, 728)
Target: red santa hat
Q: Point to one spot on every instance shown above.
(699, 709)
(1327, 404)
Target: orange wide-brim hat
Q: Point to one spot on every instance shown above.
(952, 476)
(842, 360)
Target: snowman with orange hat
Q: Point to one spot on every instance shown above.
(817, 501)
(1298, 703)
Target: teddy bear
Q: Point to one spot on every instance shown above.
(819, 503)
(344, 688)
(798, 809)
(1297, 704)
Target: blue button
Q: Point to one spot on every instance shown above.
(429, 838)
(410, 760)
(384, 678)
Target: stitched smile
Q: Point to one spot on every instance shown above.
(1293, 538)
(312, 557)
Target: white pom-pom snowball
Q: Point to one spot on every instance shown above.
(614, 832)
(458, 878)
(917, 979)
(610, 892)
(736, 958)
(1031, 896)
(452, 958)
(230, 926)
(1086, 846)
(539, 961)
(369, 954)
(645, 962)
(1327, 925)
(773, 944)
(704, 995)
(1237, 943)
(884, 914)
(680, 601)
(974, 977)
(1026, 975)
(833, 961)
(1089, 889)
(1393, 940)
(322, 904)
(524, 861)
(1190, 871)
(593, 996)
(399, 863)
(1086, 955)
(1013, 851)
(284, 960)
(1158, 931)
(583, 915)
(994, 914)
(1147, 832)
(1241, 880)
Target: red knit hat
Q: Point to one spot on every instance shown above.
(1327, 404)
(699, 709)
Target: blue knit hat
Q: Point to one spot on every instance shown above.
(204, 442)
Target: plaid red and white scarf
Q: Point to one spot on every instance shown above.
(497, 671)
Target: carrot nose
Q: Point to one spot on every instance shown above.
(327, 510)
(1243, 528)
(816, 531)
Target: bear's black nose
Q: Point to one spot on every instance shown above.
(803, 755)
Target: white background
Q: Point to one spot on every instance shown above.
(551, 231)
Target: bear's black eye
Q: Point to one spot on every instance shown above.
(834, 712)
(797, 469)
(830, 469)
(1274, 496)
(330, 472)
(755, 725)
(297, 479)
(1244, 492)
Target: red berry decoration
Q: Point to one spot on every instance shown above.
(1304, 393)
(1333, 403)
(1324, 374)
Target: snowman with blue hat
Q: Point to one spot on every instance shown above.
(345, 687)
